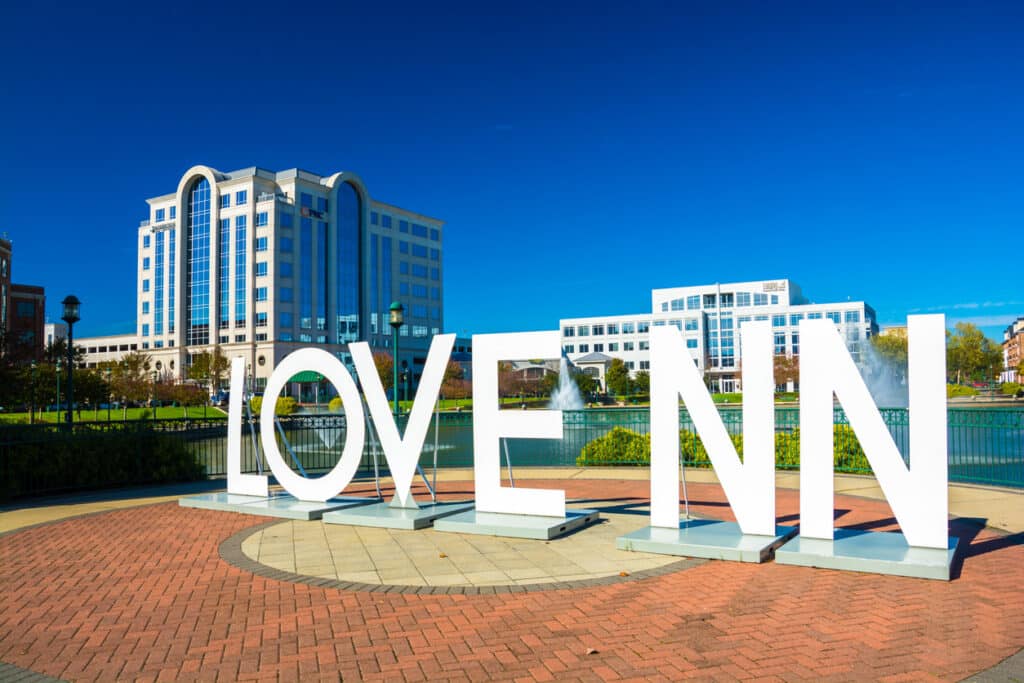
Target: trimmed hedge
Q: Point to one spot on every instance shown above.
(286, 405)
(335, 405)
(622, 446)
(953, 390)
(36, 462)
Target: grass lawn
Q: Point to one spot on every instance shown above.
(116, 415)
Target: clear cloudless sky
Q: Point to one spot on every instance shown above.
(581, 153)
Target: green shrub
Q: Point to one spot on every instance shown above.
(335, 405)
(40, 461)
(286, 405)
(953, 390)
(733, 397)
(1010, 388)
(621, 446)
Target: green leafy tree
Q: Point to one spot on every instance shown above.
(385, 365)
(642, 382)
(131, 378)
(586, 382)
(210, 368)
(548, 383)
(786, 369)
(972, 355)
(891, 347)
(617, 377)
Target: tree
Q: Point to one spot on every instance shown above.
(891, 348)
(549, 383)
(209, 368)
(131, 378)
(617, 377)
(586, 382)
(786, 369)
(455, 386)
(972, 355)
(385, 368)
(642, 382)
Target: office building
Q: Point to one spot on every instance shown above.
(709, 317)
(1013, 351)
(22, 311)
(262, 263)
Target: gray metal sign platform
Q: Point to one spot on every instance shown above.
(516, 526)
(277, 505)
(877, 552)
(708, 538)
(388, 516)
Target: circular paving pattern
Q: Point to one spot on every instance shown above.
(417, 560)
(144, 594)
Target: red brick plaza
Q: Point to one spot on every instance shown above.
(145, 594)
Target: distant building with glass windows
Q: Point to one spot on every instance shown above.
(709, 317)
(262, 263)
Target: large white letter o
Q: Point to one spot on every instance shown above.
(332, 483)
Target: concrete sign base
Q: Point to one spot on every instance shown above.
(284, 505)
(706, 538)
(387, 516)
(517, 526)
(875, 552)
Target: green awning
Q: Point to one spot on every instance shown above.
(306, 376)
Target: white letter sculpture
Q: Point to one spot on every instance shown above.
(245, 484)
(918, 494)
(330, 484)
(749, 486)
(403, 454)
(490, 424)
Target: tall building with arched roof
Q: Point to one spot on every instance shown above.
(261, 263)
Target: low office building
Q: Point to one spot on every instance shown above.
(22, 311)
(262, 263)
(99, 351)
(1013, 351)
(709, 317)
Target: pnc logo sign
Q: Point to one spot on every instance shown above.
(917, 493)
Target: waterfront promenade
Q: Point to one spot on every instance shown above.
(129, 586)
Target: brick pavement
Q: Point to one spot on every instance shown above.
(143, 594)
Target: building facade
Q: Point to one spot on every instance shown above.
(1013, 350)
(22, 310)
(710, 317)
(261, 263)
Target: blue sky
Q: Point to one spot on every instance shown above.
(581, 153)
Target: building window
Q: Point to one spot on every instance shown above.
(742, 299)
(852, 316)
(613, 328)
(419, 251)
(627, 346)
(160, 215)
(710, 301)
(419, 311)
(403, 267)
(403, 247)
(286, 245)
(239, 337)
(583, 330)
(145, 241)
(261, 244)
(584, 348)
(285, 319)
(262, 219)
(403, 288)
(420, 291)
(435, 274)
(374, 218)
(261, 269)
(760, 299)
(145, 307)
(643, 327)
(385, 220)
(261, 337)
(225, 200)
(174, 212)
(321, 204)
(261, 293)
(778, 321)
(833, 316)
(287, 220)
(644, 345)
(145, 263)
(419, 271)
(403, 226)
(795, 339)
(726, 300)
(145, 329)
(285, 295)
(691, 324)
(645, 365)
(285, 268)
(691, 343)
(241, 197)
(795, 318)
(814, 316)
(435, 234)
(145, 285)
(569, 348)
(261, 319)
(569, 331)
(598, 348)
(598, 331)
(628, 328)
(435, 293)
(780, 343)
(613, 346)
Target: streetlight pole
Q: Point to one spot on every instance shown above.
(71, 316)
(396, 320)
(32, 415)
(57, 373)
(110, 394)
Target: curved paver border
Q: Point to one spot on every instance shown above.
(230, 550)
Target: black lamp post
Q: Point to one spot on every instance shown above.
(396, 320)
(57, 369)
(32, 415)
(110, 393)
(71, 316)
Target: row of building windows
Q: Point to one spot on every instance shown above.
(161, 213)
(727, 300)
(241, 199)
(416, 229)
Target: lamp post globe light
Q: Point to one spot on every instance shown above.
(71, 316)
(57, 368)
(396, 320)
